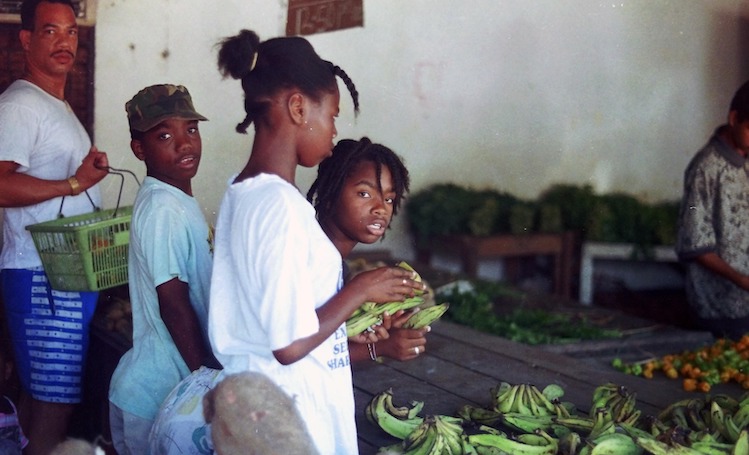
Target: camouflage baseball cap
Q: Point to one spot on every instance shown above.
(156, 103)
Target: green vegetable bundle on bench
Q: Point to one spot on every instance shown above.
(449, 209)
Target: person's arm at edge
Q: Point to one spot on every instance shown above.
(21, 190)
(395, 283)
(183, 325)
(717, 265)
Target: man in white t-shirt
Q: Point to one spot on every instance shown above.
(46, 163)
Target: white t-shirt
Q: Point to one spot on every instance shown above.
(273, 266)
(44, 137)
(168, 239)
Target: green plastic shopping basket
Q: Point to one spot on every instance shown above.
(85, 252)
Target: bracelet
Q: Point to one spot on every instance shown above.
(74, 185)
(372, 351)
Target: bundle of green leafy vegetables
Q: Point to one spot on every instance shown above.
(450, 209)
(476, 308)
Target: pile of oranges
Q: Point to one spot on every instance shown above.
(722, 362)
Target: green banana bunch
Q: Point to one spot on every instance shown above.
(624, 408)
(521, 399)
(360, 322)
(722, 417)
(698, 426)
(392, 307)
(482, 416)
(450, 430)
(741, 416)
(563, 409)
(603, 423)
(695, 415)
(728, 417)
(634, 432)
(732, 430)
(395, 421)
(712, 447)
(718, 420)
(569, 443)
(508, 445)
(502, 396)
(424, 440)
(426, 316)
(435, 435)
(727, 402)
(370, 313)
(526, 422)
(667, 412)
(603, 393)
(579, 424)
(658, 428)
(656, 447)
(615, 444)
(679, 418)
(540, 402)
(742, 443)
(617, 398)
(416, 277)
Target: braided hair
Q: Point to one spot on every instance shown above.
(347, 154)
(276, 64)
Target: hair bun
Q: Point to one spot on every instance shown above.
(237, 53)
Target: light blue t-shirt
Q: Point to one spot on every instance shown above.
(169, 238)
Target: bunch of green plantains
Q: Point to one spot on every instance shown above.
(423, 311)
(523, 420)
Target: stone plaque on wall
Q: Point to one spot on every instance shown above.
(307, 17)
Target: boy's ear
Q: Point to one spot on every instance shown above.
(296, 106)
(137, 149)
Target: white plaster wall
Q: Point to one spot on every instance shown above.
(511, 94)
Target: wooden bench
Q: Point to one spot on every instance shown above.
(561, 247)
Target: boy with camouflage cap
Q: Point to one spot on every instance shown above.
(169, 265)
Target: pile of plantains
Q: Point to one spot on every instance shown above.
(521, 419)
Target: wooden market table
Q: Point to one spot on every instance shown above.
(461, 365)
(592, 251)
(561, 247)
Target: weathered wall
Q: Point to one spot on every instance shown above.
(511, 94)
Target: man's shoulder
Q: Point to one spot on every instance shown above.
(23, 94)
(18, 89)
(711, 151)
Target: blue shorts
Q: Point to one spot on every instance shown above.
(49, 331)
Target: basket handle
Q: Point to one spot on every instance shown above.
(121, 173)
(62, 201)
(111, 171)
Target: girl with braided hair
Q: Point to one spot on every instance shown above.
(277, 302)
(357, 192)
